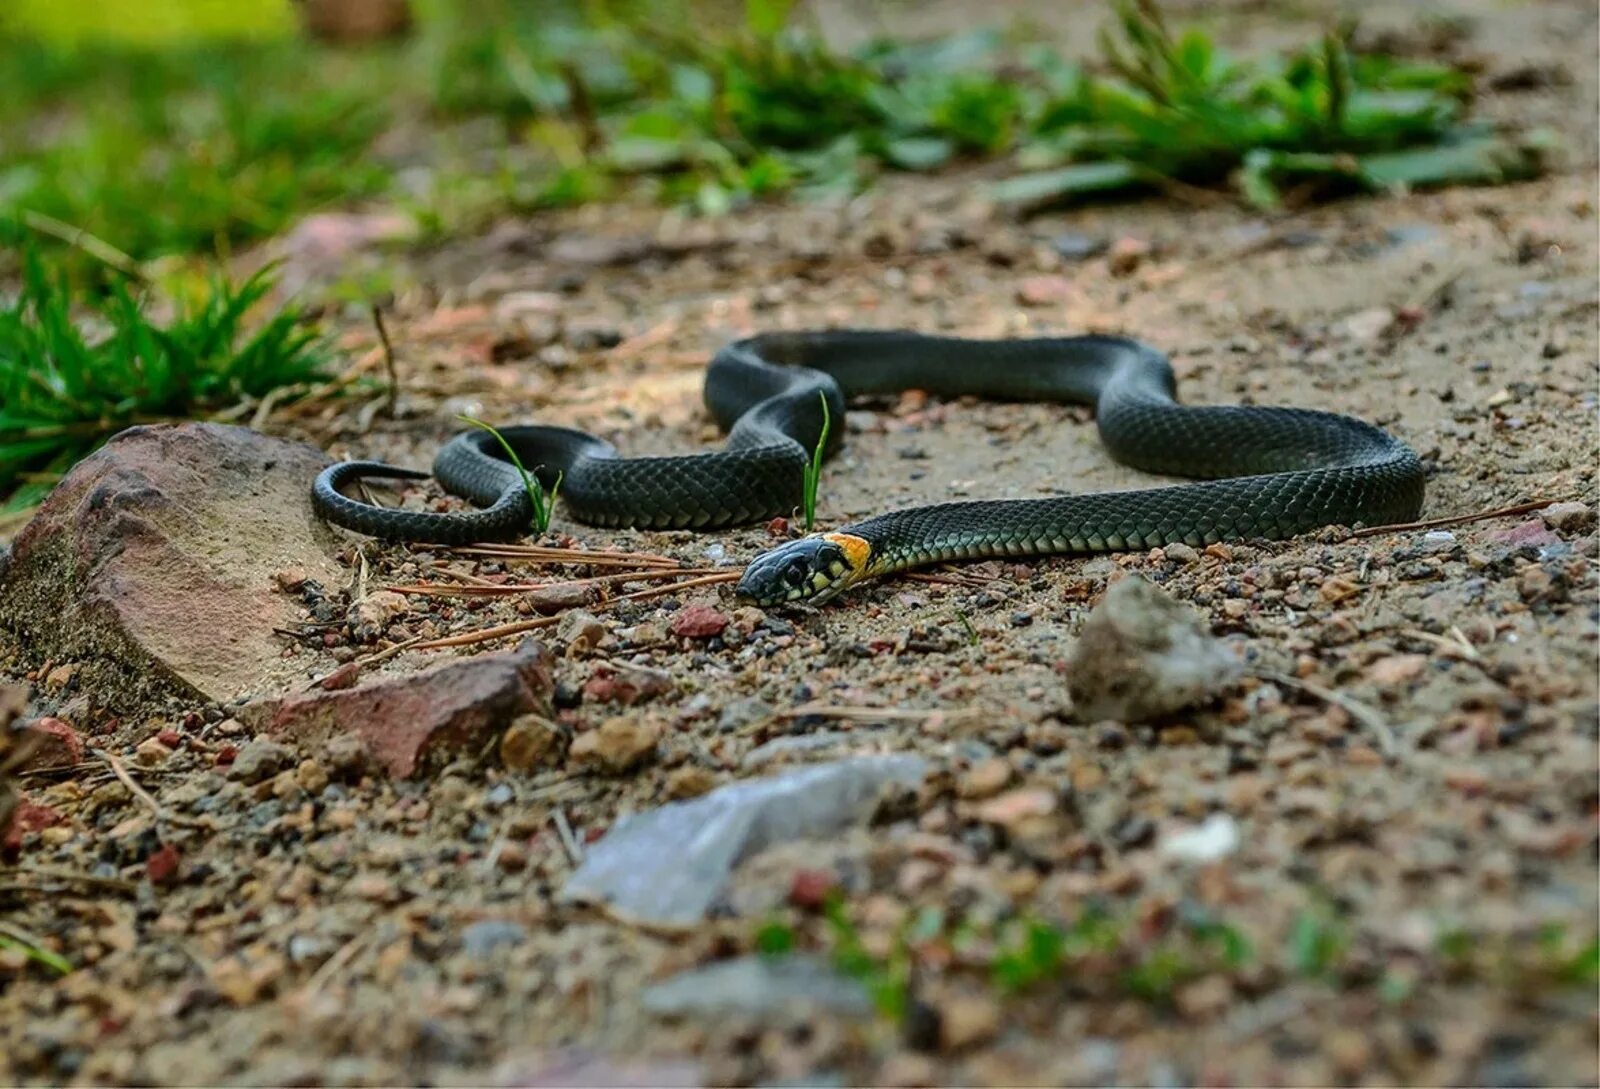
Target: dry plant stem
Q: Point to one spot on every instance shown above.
(1374, 723)
(568, 840)
(871, 714)
(545, 554)
(143, 795)
(392, 394)
(507, 590)
(502, 631)
(1459, 519)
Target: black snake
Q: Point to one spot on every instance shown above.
(1266, 472)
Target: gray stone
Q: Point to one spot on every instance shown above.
(669, 866)
(488, 936)
(757, 986)
(1143, 655)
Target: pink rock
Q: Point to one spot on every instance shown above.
(55, 744)
(419, 721)
(1532, 534)
(1044, 291)
(154, 563)
(697, 622)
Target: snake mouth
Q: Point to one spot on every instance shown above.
(811, 570)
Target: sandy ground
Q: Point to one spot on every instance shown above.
(319, 938)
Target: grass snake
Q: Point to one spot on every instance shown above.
(1264, 472)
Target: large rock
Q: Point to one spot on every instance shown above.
(668, 867)
(152, 563)
(1142, 655)
(418, 721)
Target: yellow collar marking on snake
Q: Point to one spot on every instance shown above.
(857, 550)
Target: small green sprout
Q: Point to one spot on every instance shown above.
(813, 472)
(543, 505)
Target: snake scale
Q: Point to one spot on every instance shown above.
(1263, 472)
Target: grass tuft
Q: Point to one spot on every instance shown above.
(72, 374)
(813, 470)
(544, 505)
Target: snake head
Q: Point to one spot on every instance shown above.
(812, 569)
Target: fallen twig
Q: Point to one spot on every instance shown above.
(144, 796)
(598, 557)
(501, 631)
(391, 396)
(1363, 714)
(1457, 520)
(496, 589)
(568, 840)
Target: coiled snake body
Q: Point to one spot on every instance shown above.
(1266, 472)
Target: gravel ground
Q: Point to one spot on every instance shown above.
(1410, 860)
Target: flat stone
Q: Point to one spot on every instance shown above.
(418, 721)
(1142, 655)
(757, 987)
(668, 866)
(51, 743)
(154, 563)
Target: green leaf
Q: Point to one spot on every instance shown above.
(918, 152)
(766, 18)
(1052, 186)
(1485, 161)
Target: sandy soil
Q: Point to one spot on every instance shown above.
(318, 936)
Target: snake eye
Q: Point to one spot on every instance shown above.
(795, 574)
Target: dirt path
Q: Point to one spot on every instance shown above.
(1415, 915)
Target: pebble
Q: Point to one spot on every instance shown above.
(1016, 806)
(372, 614)
(689, 781)
(618, 745)
(966, 1020)
(1126, 255)
(1215, 838)
(1142, 655)
(740, 713)
(985, 780)
(579, 632)
(533, 741)
(1178, 552)
(698, 622)
(1073, 246)
(487, 937)
(260, 759)
(346, 755)
(1044, 291)
(311, 776)
(1568, 517)
(152, 752)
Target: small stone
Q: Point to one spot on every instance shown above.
(151, 753)
(162, 865)
(1397, 669)
(259, 760)
(1126, 255)
(810, 888)
(369, 617)
(54, 744)
(689, 781)
(966, 1020)
(739, 713)
(627, 685)
(580, 632)
(698, 622)
(1044, 291)
(617, 745)
(559, 597)
(373, 887)
(985, 779)
(1569, 518)
(1367, 325)
(1205, 998)
(533, 741)
(513, 856)
(487, 937)
(1215, 838)
(1016, 806)
(1142, 655)
(1178, 552)
(59, 677)
(1072, 246)
(347, 756)
(290, 579)
(311, 776)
